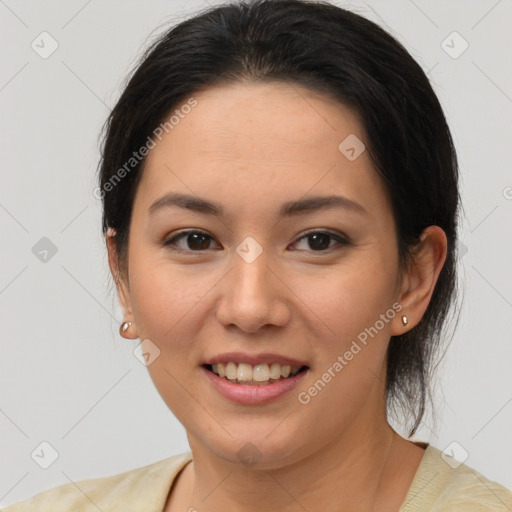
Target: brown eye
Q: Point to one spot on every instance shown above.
(319, 241)
(195, 241)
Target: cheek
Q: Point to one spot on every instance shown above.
(170, 304)
(163, 301)
(344, 300)
(352, 310)
(162, 294)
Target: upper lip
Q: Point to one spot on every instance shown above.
(254, 359)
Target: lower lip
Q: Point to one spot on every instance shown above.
(246, 394)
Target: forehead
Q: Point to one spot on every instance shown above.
(264, 121)
(261, 141)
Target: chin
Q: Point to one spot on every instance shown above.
(252, 449)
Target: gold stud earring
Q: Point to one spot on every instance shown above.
(405, 320)
(124, 327)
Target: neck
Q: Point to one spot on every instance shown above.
(359, 469)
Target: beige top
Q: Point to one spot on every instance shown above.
(437, 487)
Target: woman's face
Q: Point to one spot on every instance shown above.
(257, 281)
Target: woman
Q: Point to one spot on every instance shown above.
(280, 195)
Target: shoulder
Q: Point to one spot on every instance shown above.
(441, 484)
(143, 488)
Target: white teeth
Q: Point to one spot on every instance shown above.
(257, 374)
(244, 372)
(275, 371)
(231, 371)
(261, 373)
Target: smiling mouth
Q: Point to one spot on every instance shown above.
(257, 375)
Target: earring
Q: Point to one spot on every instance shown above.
(124, 327)
(405, 320)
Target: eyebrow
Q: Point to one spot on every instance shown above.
(289, 209)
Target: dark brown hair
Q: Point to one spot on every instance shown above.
(330, 50)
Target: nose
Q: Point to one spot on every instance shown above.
(253, 296)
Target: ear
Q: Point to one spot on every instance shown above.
(122, 286)
(420, 278)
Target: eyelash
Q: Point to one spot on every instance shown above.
(342, 241)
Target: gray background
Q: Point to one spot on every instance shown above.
(67, 377)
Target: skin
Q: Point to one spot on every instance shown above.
(251, 147)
